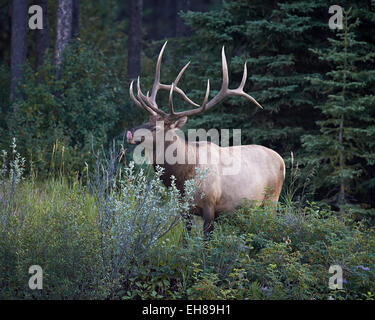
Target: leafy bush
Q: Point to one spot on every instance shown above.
(258, 253)
(60, 227)
(48, 225)
(125, 239)
(293, 248)
(142, 213)
(69, 112)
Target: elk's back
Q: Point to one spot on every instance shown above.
(249, 172)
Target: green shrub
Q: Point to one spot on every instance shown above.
(60, 226)
(141, 214)
(293, 248)
(52, 225)
(261, 253)
(124, 239)
(67, 115)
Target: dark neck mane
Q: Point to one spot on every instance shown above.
(182, 172)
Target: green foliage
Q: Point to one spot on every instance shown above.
(279, 41)
(273, 39)
(120, 247)
(52, 225)
(90, 242)
(71, 114)
(257, 253)
(83, 253)
(142, 213)
(343, 147)
(294, 248)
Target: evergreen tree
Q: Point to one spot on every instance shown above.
(273, 37)
(343, 147)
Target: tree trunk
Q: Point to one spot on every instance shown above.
(170, 18)
(181, 27)
(75, 19)
(41, 35)
(18, 43)
(156, 13)
(135, 39)
(64, 14)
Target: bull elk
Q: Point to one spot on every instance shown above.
(260, 171)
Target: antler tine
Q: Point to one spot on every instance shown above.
(225, 84)
(144, 106)
(148, 107)
(171, 108)
(206, 96)
(193, 111)
(225, 91)
(139, 104)
(244, 77)
(180, 74)
(239, 91)
(131, 93)
(148, 102)
(157, 83)
(142, 98)
(178, 90)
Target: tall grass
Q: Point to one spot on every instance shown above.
(88, 239)
(118, 234)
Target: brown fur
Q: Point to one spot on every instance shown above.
(220, 191)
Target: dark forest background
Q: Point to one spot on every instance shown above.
(64, 89)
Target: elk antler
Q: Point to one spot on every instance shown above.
(149, 104)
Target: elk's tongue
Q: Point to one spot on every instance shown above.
(129, 135)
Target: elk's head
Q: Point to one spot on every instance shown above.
(160, 120)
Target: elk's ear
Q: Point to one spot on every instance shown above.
(179, 123)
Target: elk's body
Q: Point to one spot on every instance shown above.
(235, 174)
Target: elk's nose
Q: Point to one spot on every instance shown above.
(129, 137)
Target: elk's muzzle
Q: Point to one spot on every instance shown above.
(129, 137)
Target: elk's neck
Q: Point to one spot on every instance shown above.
(173, 157)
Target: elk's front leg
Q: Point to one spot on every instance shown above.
(208, 219)
(189, 217)
(188, 223)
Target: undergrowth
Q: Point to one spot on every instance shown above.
(120, 235)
